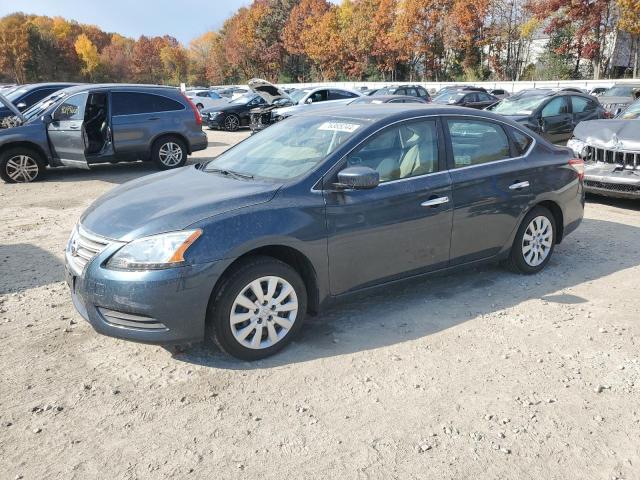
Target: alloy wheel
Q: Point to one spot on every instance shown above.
(537, 241)
(231, 123)
(264, 312)
(170, 154)
(22, 168)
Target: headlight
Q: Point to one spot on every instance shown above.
(155, 252)
(213, 114)
(578, 147)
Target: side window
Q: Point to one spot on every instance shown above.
(401, 151)
(412, 92)
(203, 94)
(470, 98)
(35, 97)
(319, 96)
(484, 97)
(422, 92)
(71, 109)
(522, 141)
(554, 107)
(340, 95)
(475, 142)
(580, 104)
(131, 103)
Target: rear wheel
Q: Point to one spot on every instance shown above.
(21, 165)
(534, 243)
(169, 152)
(258, 309)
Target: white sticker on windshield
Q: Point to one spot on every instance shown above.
(339, 127)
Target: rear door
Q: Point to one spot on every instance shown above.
(66, 133)
(583, 108)
(137, 118)
(401, 227)
(556, 121)
(490, 190)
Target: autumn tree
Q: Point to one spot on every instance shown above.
(88, 53)
(630, 22)
(14, 46)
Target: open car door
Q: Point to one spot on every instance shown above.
(66, 131)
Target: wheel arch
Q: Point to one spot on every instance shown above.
(162, 135)
(292, 257)
(26, 144)
(558, 216)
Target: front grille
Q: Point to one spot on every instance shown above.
(628, 160)
(83, 246)
(130, 320)
(613, 187)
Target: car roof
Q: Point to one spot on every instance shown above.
(388, 98)
(117, 86)
(32, 86)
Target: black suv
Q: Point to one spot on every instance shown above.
(25, 96)
(88, 124)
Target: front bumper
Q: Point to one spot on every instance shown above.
(158, 306)
(214, 122)
(622, 183)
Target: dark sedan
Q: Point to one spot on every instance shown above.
(233, 115)
(25, 96)
(554, 115)
(378, 99)
(466, 98)
(313, 208)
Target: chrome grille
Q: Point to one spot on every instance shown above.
(83, 246)
(628, 160)
(130, 320)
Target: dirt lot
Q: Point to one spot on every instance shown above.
(480, 375)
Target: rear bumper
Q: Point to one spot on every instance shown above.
(158, 307)
(199, 142)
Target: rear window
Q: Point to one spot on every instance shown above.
(521, 141)
(131, 103)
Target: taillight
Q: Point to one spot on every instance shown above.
(196, 112)
(578, 166)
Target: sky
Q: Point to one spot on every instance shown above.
(183, 19)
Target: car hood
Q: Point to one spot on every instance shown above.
(612, 134)
(10, 106)
(269, 92)
(614, 100)
(170, 201)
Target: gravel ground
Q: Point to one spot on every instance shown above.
(480, 375)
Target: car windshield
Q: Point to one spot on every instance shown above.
(449, 97)
(631, 112)
(619, 91)
(16, 93)
(244, 99)
(297, 95)
(518, 106)
(287, 149)
(40, 107)
(386, 91)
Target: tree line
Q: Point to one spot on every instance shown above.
(315, 40)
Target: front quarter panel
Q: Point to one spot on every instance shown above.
(35, 133)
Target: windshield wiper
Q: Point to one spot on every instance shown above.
(231, 173)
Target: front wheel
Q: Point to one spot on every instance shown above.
(534, 243)
(21, 165)
(169, 152)
(231, 123)
(258, 308)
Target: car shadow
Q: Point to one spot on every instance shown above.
(423, 307)
(627, 204)
(24, 266)
(116, 173)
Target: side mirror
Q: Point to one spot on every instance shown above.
(308, 100)
(358, 178)
(47, 119)
(21, 106)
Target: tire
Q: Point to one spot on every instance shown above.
(276, 329)
(169, 152)
(231, 122)
(21, 165)
(534, 243)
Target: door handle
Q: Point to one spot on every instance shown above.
(153, 118)
(74, 127)
(518, 185)
(433, 202)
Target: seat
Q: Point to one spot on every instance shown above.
(421, 153)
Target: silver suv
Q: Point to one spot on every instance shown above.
(89, 124)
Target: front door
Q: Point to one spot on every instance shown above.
(403, 225)
(66, 132)
(556, 120)
(490, 190)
